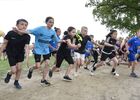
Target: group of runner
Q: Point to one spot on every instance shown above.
(48, 43)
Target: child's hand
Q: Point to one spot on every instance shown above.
(79, 45)
(137, 55)
(101, 46)
(15, 29)
(54, 49)
(127, 52)
(19, 31)
(64, 41)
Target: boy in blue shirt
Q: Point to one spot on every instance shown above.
(132, 46)
(89, 47)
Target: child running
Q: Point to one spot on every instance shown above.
(123, 49)
(15, 42)
(108, 51)
(43, 36)
(79, 54)
(88, 54)
(55, 45)
(132, 51)
(64, 53)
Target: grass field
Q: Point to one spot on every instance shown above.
(4, 65)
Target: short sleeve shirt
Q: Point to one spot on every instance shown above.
(43, 36)
(16, 42)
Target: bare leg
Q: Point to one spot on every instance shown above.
(46, 69)
(69, 70)
(18, 72)
(133, 66)
(77, 63)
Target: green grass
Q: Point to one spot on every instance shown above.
(4, 65)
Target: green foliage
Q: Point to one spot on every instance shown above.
(120, 14)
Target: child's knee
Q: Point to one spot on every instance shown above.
(13, 71)
(19, 69)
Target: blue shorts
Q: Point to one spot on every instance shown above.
(87, 54)
(131, 57)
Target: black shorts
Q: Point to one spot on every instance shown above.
(61, 57)
(95, 55)
(14, 59)
(105, 56)
(37, 57)
(53, 53)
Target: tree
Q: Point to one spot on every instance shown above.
(120, 14)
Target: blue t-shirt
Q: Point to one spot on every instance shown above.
(54, 44)
(43, 36)
(89, 45)
(133, 43)
(138, 46)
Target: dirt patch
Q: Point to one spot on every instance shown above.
(102, 86)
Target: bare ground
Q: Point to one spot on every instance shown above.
(102, 86)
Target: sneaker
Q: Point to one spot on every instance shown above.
(8, 77)
(92, 73)
(108, 63)
(133, 75)
(45, 82)
(92, 61)
(30, 73)
(86, 68)
(67, 78)
(50, 73)
(76, 74)
(57, 70)
(115, 73)
(17, 85)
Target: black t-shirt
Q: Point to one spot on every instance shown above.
(16, 42)
(64, 49)
(84, 41)
(109, 49)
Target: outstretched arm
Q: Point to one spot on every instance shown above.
(70, 45)
(101, 46)
(4, 44)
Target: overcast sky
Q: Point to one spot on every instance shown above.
(65, 12)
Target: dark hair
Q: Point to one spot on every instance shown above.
(21, 20)
(110, 33)
(66, 33)
(56, 29)
(48, 18)
(70, 29)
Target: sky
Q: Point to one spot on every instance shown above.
(65, 12)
